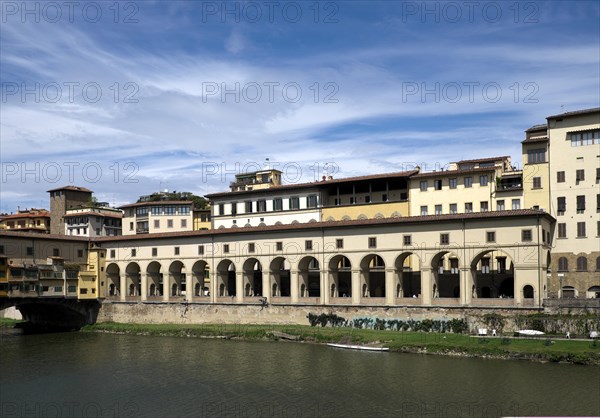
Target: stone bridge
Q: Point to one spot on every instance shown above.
(54, 312)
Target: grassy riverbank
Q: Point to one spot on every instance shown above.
(538, 349)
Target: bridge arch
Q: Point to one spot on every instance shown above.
(198, 282)
(309, 275)
(492, 275)
(252, 277)
(155, 279)
(113, 280)
(372, 268)
(226, 278)
(446, 275)
(340, 271)
(133, 282)
(177, 279)
(408, 273)
(279, 270)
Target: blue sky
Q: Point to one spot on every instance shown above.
(149, 95)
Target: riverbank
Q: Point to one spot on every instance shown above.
(545, 349)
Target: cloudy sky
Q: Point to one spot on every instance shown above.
(130, 98)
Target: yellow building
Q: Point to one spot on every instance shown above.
(256, 180)
(536, 168)
(92, 282)
(201, 219)
(32, 220)
(3, 274)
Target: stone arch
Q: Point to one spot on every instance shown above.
(262, 224)
(309, 275)
(248, 225)
(346, 218)
(362, 217)
(446, 275)
(396, 215)
(340, 270)
(593, 292)
(177, 281)
(279, 270)
(492, 275)
(278, 223)
(372, 268)
(563, 264)
(378, 216)
(330, 219)
(200, 276)
(408, 275)
(582, 263)
(295, 222)
(113, 280)
(155, 277)
(133, 280)
(226, 278)
(312, 221)
(528, 292)
(568, 292)
(253, 277)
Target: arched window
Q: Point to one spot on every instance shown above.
(581, 264)
(597, 263)
(563, 264)
(528, 292)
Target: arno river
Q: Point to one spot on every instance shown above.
(102, 375)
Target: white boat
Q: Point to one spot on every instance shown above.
(358, 347)
(530, 332)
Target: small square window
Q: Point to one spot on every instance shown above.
(308, 245)
(537, 182)
(372, 242)
(468, 182)
(184, 223)
(279, 246)
(176, 250)
(526, 235)
(169, 223)
(225, 248)
(154, 252)
(80, 253)
(157, 223)
(483, 206)
(251, 247)
(445, 239)
(423, 185)
(200, 249)
(452, 183)
(407, 239)
(112, 253)
(490, 236)
(560, 176)
(562, 230)
(468, 207)
(483, 180)
(581, 230)
(133, 252)
(438, 209)
(453, 208)
(437, 184)
(339, 243)
(423, 210)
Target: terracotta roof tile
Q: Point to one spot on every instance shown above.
(72, 188)
(575, 112)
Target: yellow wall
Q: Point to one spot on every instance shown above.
(3, 276)
(536, 197)
(93, 279)
(370, 210)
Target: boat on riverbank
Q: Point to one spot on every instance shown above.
(358, 347)
(529, 332)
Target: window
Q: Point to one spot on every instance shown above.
(423, 210)
(308, 245)
(468, 182)
(233, 208)
(580, 204)
(143, 211)
(157, 223)
(294, 203)
(444, 239)
(154, 252)
(372, 242)
(483, 180)
(183, 210)
(560, 176)
(563, 264)
(133, 252)
(562, 230)
(579, 176)
(437, 184)
(1, 249)
(261, 205)
(248, 206)
(156, 210)
(500, 205)
(352, 200)
(598, 203)
(97, 231)
(169, 210)
(200, 249)
(597, 263)
(526, 235)
(279, 246)
(112, 254)
(597, 175)
(80, 253)
(277, 204)
(55, 252)
(485, 265)
(537, 182)
(184, 223)
(225, 248)
(579, 139)
(311, 201)
(582, 264)
(536, 156)
(598, 228)
(483, 206)
(384, 197)
(453, 208)
(221, 209)
(176, 252)
(580, 229)
(367, 199)
(131, 226)
(468, 207)
(516, 204)
(438, 209)
(407, 239)
(452, 183)
(424, 185)
(339, 243)
(491, 236)
(561, 205)
(169, 223)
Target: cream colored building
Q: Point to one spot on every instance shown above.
(157, 217)
(28, 220)
(93, 221)
(573, 152)
(481, 185)
(478, 259)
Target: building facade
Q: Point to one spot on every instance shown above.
(28, 220)
(157, 217)
(93, 222)
(62, 199)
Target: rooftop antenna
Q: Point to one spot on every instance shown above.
(562, 108)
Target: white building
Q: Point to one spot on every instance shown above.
(93, 222)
